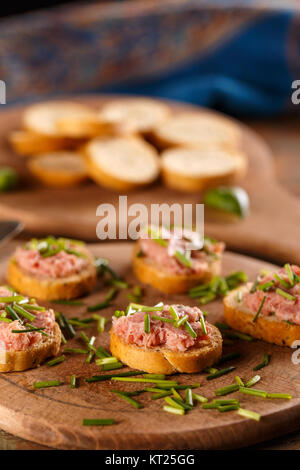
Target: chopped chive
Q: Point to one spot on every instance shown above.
(181, 321)
(176, 394)
(182, 403)
(229, 401)
(68, 302)
(119, 313)
(76, 351)
(171, 409)
(154, 376)
(229, 357)
(290, 274)
(260, 309)
(203, 326)
(99, 306)
(210, 406)
(5, 320)
(249, 414)
(239, 296)
(239, 381)
(205, 299)
(134, 403)
(12, 313)
(101, 378)
(252, 381)
(220, 373)
(225, 408)
(222, 326)
(47, 384)
(266, 286)
(73, 381)
(23, 312)
(177, 387)
(140, 254)
(162, 394)
(79, 323)
(183, 259)
(189, 328)
(145, 308)
(286, 396)
(106, 360)
(227, 389)
(285, 294)
(10, 299)
(56, 360)
(101, 352)
(210, 370)
(34, 307)
(157, 317)
(101, 321)
(97, 422)
(238, 335)
(282, 281)
(115, 365)
(158, 381)
(189, 397)
(147, 323)
(254, 392)
(29, 330)
(90, 357)
(118, 283)
(173, 403)
(65, 324)
(264, 363)
(199, 398)
(155, 390)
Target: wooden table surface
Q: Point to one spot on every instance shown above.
(284, 138)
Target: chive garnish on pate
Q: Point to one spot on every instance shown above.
(285, 294)
(260, 309)
(147, 323)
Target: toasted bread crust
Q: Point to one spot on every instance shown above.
(13, 361)
(52, 289)
(149, 273)
(29, 143)
(164, 361)
(269, 329)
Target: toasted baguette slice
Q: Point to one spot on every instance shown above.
(135, 115)
(52, 289)
(13, 361)
(59, 169)
(122, 163)
(197, 129)
(150, 273)
(28, 143)
(164, 361)
(43, 118)
(191, 169)
(81, 126)
(267, 328)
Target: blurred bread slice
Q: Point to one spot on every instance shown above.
(197, 130)
(84, 126)
(29, 143)
(59, 169)
(194, 169)
(121, 163)
(135, 115)
(47, 118)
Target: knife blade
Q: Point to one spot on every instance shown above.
(8, 230)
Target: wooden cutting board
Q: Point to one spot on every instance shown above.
(271, 230)
(53, 417)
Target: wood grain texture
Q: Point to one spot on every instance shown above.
(272, 229)
(53, 417)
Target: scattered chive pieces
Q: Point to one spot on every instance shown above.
(73, 381)
(225, 408)
(239, 381)
(162, 394)
(97, 422)
(167, 320)
(285, 294)
(227, 389)
(115, 365)
(176, 394)
(147, 323)
(29, 330)
(252, 381)
(220, 373)
(12, 313)
(228, 401)
(254, 392)
(249, 414)
(199, 398)
(158, 381)
(154, 376)
(254, 286)
(282, 281)
(286, 396)
(181, 321)
(266, 286)
(56, 360)
(145, 308)
(238, 335)
(209, 406)
(173, 403)
(76, 351)
(47, 384)
(10, 299)
(290, 274)
(189, 328)
(23, 312)
(176, 411)
(183, 259)
(260, 309)
(6, 320)
(101, 378)
(134, 403)
(174, 313)
(106, 360)
(203, 326)
(99, 306)
(264, 363)
(189, 397)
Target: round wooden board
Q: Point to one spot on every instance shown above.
(271, 230)
(53, 416)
